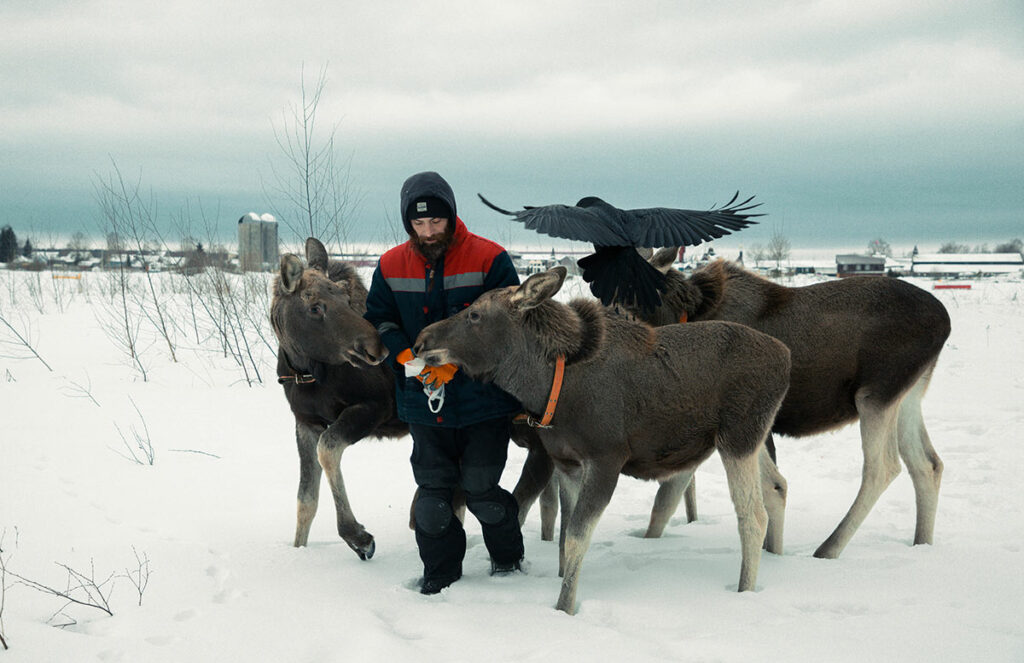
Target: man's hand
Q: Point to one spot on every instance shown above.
(435, 376)
(432, 376)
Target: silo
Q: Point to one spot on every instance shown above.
(268, 234)
(250, 242)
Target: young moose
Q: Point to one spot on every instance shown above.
(614, 413)
(329, 363)
(862, 348)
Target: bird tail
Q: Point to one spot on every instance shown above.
(620, 275)
(494, 207)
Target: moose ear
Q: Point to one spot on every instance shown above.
(291, 272)
(538, 288)
(663, 259)
(316, 255)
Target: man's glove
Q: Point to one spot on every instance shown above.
(432, 376)
(435, 376)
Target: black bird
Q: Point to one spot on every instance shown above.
(615, 271)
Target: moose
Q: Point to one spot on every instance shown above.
(862, 348)
(329, 363)
(629, 403)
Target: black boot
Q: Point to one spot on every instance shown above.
(435, 585)
(506, 568)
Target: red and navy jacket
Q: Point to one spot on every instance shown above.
(407, 294)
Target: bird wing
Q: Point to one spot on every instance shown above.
(663, 226)
(587, 224)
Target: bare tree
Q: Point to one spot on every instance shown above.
(78, 248)
(758, 254)
(1013, 246)
(314, 182)
(131, 218)
(879, 246)
(954, 247)
(216, 296)
(778, 249)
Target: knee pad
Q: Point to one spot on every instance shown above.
(487, 511)
(433, 515)
(480, 480)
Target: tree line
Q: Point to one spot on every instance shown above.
(9, 249)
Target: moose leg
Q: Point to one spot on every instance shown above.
(922, 462)
(670, 492)
(549, 509)
(690, 499)
(596, 484)
(568, 481)
(309, 481)
(881, 466)
(744, 477)
(354, 423)
(534, 479)
(773, 491)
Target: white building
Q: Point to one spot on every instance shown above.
(966, 264)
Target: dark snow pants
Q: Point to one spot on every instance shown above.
(472, 458)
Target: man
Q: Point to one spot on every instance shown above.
(461, 433)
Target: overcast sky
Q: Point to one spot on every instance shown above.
(848, 120)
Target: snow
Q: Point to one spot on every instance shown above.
(215, 513)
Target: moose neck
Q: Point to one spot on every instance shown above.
(549, 331)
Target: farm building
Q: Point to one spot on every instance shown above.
(966, 264)
(257, 242)
(854, 265)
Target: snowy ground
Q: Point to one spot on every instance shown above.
(214, 515)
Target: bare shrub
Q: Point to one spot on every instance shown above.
(18, 340)
(130, 218)
(140, 449)
(79, 588)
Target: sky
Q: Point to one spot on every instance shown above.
(848, 121)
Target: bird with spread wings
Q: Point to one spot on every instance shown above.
(615, 271)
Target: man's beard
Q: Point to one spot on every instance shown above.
(432, 250)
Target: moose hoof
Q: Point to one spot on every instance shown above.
(364, 549)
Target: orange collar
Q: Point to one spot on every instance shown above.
(549, 411)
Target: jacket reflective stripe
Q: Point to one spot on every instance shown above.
(398, 284)
(464, 280)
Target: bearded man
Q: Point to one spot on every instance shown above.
(460, 427)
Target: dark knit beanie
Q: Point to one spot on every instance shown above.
(428, 207)
(433, 191)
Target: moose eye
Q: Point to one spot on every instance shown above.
(316, 309)
(473, 316)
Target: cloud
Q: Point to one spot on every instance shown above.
(643, 101)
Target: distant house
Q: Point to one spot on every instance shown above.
(854, 265)
(571, 268)
(966, 264)
(534, 267)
